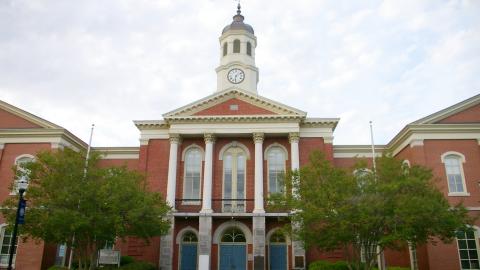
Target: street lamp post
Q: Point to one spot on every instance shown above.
(19, 219)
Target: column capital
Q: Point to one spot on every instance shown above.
(258, 137)
(293, 137)
(175, 138)
(209, 137)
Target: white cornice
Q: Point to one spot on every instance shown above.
(234, 118)
(56, 137)
(320, 122)
(236, 63)
(118, 152)
(150, 124)
(413, 133)
(238, 128)
(357, 151)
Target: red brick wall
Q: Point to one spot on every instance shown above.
(471, 150)
(308, 145)
(12, 121)
(30, 254)
(470, 115)
(153, 161)
(398, 257)
(244, 108)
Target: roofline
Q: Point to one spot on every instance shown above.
(442, 114)
(430, 128)
(218, 94)
(28, 116)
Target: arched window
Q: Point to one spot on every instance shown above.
(233, 235)
(225, 48)
(236, 46)
(192, 174)
(249, 48)
(362, 176)
(276, 169)
(454, 172)
(234, 167)
(278, 237)
(189, 237)
(21, 171)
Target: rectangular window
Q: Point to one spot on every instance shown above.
(467, 249)
(5, 249)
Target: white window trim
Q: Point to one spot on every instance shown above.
(14, 190)
(234, 144)
(477, 235)
(180, 234)
(234, 169)
(202, 158)
(265, 157)
(184, 152)
(465, 193)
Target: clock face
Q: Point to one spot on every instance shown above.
(236, 76)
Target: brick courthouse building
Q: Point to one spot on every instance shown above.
(218, 158)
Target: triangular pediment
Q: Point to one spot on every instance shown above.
(465, 112)
(12, 117)
(234, 102)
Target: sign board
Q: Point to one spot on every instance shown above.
(22, 204)
(108, 256)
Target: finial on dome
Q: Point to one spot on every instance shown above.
(239, 8)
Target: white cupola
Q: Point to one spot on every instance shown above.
(237, 56)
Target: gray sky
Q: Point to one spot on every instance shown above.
(110, 62)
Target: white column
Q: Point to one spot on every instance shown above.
(172, 169)
(294, 138)
(298, 250)
(258, 139)
(208, 175)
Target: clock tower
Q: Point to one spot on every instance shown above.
(237, 56)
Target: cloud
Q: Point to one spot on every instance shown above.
(111, 62)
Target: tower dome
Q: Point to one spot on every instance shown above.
(238, 24)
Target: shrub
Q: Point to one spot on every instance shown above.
(124, 260)
(325, 265)
(55, 267)
(138, 266)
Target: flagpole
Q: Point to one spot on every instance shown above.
(381, 255)
(70, 258)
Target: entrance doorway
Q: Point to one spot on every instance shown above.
(233, 250)
(277, 251)
(188, 251)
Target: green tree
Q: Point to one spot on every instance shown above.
(96, 205)
(358, 211)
